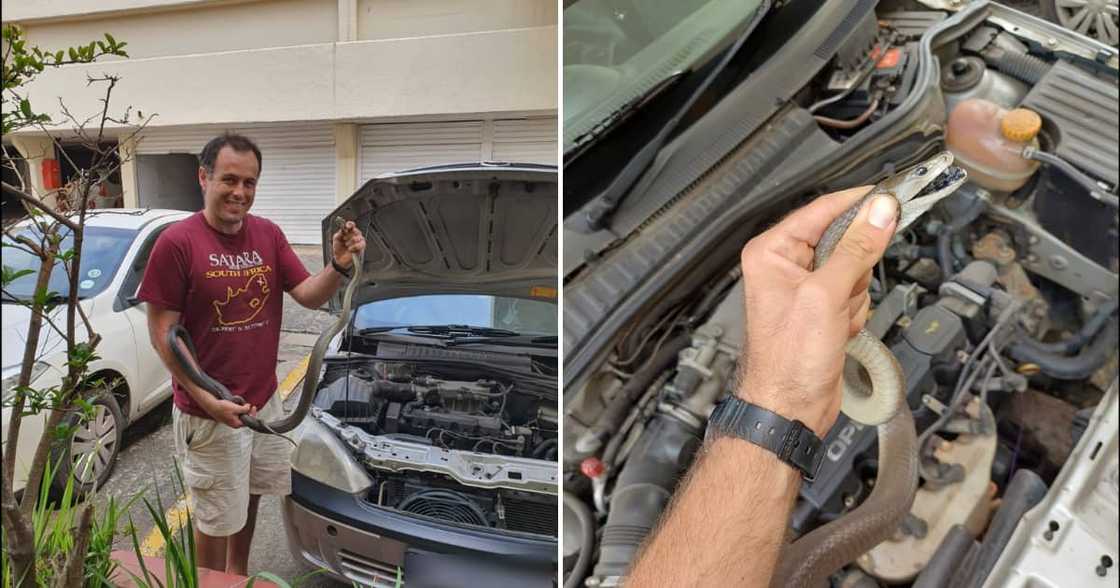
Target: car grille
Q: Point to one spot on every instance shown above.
(531, 517)
(368, 572)
(526, 516)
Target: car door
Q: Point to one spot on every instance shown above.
(153, 381)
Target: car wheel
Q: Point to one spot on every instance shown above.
(91, 451)
(1099, 19)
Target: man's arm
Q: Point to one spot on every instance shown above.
(727, 525)
(316, 290)
(160, 321)
(728, 522)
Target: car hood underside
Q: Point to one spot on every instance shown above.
(467, 229)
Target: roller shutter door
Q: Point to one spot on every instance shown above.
(393, 147)
(297, 184)
(531, 140)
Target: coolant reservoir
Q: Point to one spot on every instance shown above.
(988, 142)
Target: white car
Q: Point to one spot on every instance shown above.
(114, 255)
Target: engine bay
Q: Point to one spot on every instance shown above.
(456, 436)
(1000, 305)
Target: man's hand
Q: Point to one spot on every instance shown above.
(228, 413)
(799, 319)
(346, 242)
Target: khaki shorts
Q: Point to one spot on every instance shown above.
(216, 460)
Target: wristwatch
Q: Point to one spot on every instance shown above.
(338, 268)
(793, 442)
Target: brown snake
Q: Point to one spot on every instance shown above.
(881, 401)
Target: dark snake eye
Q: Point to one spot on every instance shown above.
(921, 171)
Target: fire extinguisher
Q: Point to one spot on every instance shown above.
(52, 174)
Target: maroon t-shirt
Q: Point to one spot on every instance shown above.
(228, 289)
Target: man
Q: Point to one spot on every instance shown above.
(219, 274)
(728, 521)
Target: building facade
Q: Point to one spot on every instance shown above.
(335, 92)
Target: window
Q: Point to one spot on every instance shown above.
(514, 314)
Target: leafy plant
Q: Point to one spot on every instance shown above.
(52, 524)
(66, 545)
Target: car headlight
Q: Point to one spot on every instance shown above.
(322, 457)
(8, 384)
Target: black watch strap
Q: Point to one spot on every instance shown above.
(793, 442)
(340, 269)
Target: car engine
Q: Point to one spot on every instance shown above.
(1000, 306)
(467, 442)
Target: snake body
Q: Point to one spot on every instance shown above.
(881, 401)
(310, 382)
(875, 404)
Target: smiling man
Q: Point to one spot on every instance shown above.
(220, 273)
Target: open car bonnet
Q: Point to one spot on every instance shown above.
(455, 229)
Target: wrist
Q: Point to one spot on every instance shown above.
(341, 269)
(814, 416)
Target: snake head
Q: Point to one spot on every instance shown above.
(918, 188)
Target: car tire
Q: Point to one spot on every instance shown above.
(98, 439)
(1050, 11)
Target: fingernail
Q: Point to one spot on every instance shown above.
(883, 212)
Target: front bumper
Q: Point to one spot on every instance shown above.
(30, 430)
(359, 542)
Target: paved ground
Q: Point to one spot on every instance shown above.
(146, 462)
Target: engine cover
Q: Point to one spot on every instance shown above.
(1082, 110)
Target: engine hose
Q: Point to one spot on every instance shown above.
(1084, 334)
(393, 391)
(643, 489)
(810, 560)
(310, 383)
(1020, 66)
(623, 400)
(1061, 367)
(949, 230)
(586, 539)
(1096, 191)
(946, 560)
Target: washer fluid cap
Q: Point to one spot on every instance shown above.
(1020, 125)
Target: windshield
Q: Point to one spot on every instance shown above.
(515, 314)
(616, 51)
(103, 249)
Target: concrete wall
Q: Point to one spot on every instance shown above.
(200, 29)
(461, 75)
(40, 10)
(394, 19)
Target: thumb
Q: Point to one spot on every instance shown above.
(862, 245)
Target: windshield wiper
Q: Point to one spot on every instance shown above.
(547, 341)
(461, 331)
(442, 331)
(593, 216)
